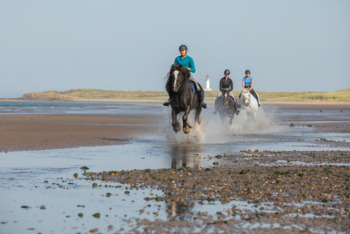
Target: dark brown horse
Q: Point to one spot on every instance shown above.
(183, 97)
(225, 106)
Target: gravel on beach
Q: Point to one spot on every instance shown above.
(300, 197)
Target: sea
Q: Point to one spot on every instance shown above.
(30, 107)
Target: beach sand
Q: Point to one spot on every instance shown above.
(36, 132)
(54, 131)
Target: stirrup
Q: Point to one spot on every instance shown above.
(204, 105)
(166, 103)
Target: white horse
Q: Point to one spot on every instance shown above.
(248, 102)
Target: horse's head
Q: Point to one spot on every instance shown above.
(226, 97)
(177, 76)
(246, 97)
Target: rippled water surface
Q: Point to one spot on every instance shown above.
(26, 175)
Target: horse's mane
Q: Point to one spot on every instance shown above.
(173, 68)
(246, 90)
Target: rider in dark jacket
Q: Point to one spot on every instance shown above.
(226, 85)
(187, 62)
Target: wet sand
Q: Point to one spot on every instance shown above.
(308, 198)
(37, 132)
(254, 177)
(55, 131)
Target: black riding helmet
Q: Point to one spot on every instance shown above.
(227, 72)
(183, 47)
(247, 72)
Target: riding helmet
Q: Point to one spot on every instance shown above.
(247, 72)
(183, 47)
(227, 72)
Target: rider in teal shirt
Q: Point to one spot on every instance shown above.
(187, 62)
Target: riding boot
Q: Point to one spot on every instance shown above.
(201, 100)
(236, 107)
(258, 99)
(167, 103)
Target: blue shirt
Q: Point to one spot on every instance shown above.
(186, 62)
(247, 82)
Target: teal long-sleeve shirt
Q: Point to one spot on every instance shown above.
(186, 62)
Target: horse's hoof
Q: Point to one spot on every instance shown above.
(176, 127)
(186, 130)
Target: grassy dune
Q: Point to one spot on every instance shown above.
(96, 94)
(336, 96)
(110, 95)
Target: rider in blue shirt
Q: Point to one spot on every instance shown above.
(247, 82)
(187, 62)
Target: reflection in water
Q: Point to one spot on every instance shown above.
(186, 155)
(181, 210)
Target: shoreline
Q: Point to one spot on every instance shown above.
(212, 102)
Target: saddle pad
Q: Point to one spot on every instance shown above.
(194, 90)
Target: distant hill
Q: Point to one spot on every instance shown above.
(110, 95)
(95, 94)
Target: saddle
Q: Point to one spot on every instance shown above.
(192, 85)
(248, 91)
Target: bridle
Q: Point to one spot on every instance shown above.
(245, 98)
(177, 82)
(175, 74)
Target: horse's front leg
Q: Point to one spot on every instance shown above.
(198, 112)
(231, 119)
(175, 123)
(186, 126)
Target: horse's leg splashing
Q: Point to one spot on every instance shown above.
(186, 126)
(231, 120)
(198, 112)
(175, 123)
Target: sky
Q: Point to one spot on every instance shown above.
(130, 45)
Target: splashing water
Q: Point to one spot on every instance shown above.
(195, 135)
(214, 131)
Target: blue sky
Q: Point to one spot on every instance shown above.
(129, 45)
